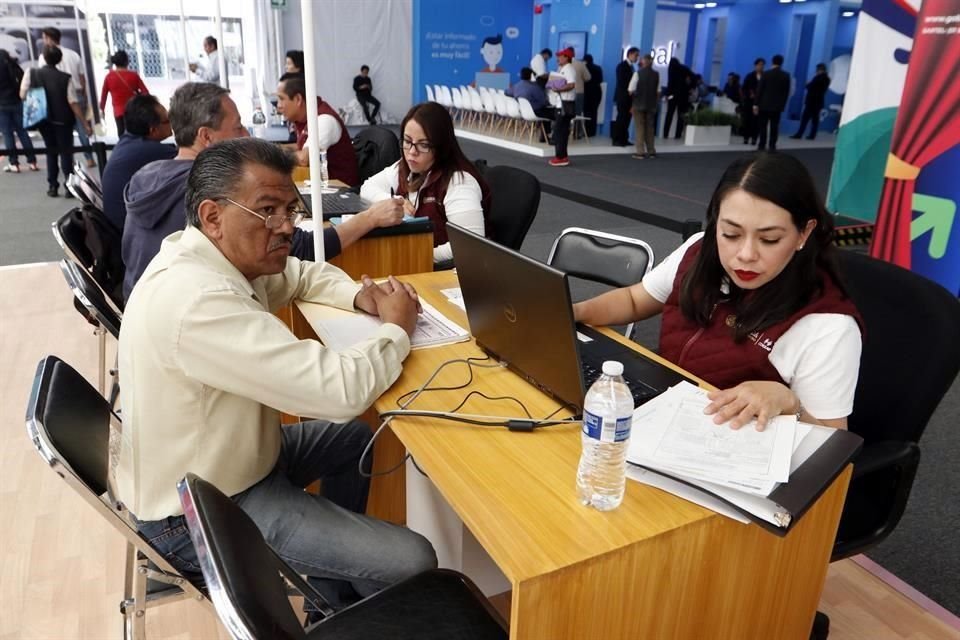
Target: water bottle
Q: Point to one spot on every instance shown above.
(259, 123)
(607, 415)
(324, 175)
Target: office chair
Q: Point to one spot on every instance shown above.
(86, 187)
(514, 200)
(377, 148)
(616, 261)
(89, 239)
(910, 359)
(69, 424)
(90, 301)
(246, 583)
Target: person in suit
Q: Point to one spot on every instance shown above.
(754, 304)
(772, 94)
(621, 98)
(748, 98)
(679, 81)
(592, 94)
(813, 103)
(645, 91)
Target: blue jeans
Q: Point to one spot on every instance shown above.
(84, 138)
(11, 122)
(344, 554)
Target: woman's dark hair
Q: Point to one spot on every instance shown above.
(52, 55)
(120, 59)
(448, 158)
(296, 57)
(784, 181)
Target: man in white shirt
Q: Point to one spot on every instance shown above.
(210, 70)
(207, 368)
(564, 86)
(539, 63)
(73, 64)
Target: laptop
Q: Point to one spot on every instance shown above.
(342, 202)
(520, 313)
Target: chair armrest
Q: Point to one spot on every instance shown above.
(882, 455)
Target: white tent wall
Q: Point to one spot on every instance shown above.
(351, 33)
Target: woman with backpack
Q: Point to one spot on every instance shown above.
(122, 84)
(11, 114)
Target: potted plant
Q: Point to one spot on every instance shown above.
(706, 126)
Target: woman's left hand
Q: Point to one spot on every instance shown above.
(755, 399)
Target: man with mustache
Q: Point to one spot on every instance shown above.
(207, 367)
(201, 114)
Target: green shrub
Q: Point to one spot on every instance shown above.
(711, 118)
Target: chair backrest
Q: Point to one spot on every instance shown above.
(86, 291)
(429, 89)
(513, 108)
(910, 355)
(500, 104)
(617, 261)
(242, 574)
(376, 148)
(457, 99)
(514, 200)
(91, 177)
(89, 187)
(475, 100)
(447, 96)
(90, 239)
(526, 110)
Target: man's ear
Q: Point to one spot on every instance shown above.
(211, 219)
(203, 137)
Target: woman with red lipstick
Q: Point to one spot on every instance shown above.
(753, 305)
(434, 178)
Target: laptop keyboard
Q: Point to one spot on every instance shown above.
(640, 391)
(333, 204)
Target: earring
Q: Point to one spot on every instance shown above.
(800, 248)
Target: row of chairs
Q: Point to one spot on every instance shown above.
(492, 111)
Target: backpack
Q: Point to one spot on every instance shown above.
(376, 148)
(97, 244)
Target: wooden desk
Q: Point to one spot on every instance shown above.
(657, 567)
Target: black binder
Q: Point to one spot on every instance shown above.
(790, 500)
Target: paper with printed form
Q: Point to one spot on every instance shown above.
(673, 434)
(340, 330)
(454, 296)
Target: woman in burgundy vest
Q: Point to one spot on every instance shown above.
(434, 178)
(754, 306)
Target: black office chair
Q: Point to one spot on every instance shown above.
(910, 359)
(69, 424)
(376, 148)
(89, 239)
(613, 260)
(244, 578)
(87, 188)
(514, 200)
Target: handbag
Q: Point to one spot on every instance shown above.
(135, 92)
(35, 104)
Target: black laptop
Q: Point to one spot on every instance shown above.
(343, 201)
(521, 314)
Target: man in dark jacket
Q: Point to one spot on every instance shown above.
(772, 95)
(813, 103)
(592, 94)
(63, 110)
(147, 123)
(363, 87)
(646, 94)
(202, 114)
(619, 128)
(679, 82)
(748, 95)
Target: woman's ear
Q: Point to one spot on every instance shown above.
(811, 225)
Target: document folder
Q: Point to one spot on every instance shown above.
(780, 511)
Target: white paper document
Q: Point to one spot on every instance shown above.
(339, 329)
(454, 296)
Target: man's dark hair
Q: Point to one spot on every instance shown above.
(777, 60)
(588, 58)
(53, 33)
(52, 55)
(296, 57)
(293, 85)
(195, 105)
(821, 66)
(141, 113)
(120, 58)
(648, 58)
(497, 39)
(759, 61)
(632, 50)
(546, 52)
(364, 68)
(526, 73)
(211, 41)
(220, 167)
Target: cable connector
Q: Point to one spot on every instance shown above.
(520, 425)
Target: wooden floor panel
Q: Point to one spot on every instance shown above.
(61, 567)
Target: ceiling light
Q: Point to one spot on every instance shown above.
(848, 14)
(699, 5)
(711, 5)
(785, 1)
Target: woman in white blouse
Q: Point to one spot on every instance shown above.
(434, 178)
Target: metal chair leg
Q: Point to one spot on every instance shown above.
(101, 334)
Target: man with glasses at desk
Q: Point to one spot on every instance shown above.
(206, 368)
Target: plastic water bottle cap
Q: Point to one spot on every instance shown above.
(612, 368)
